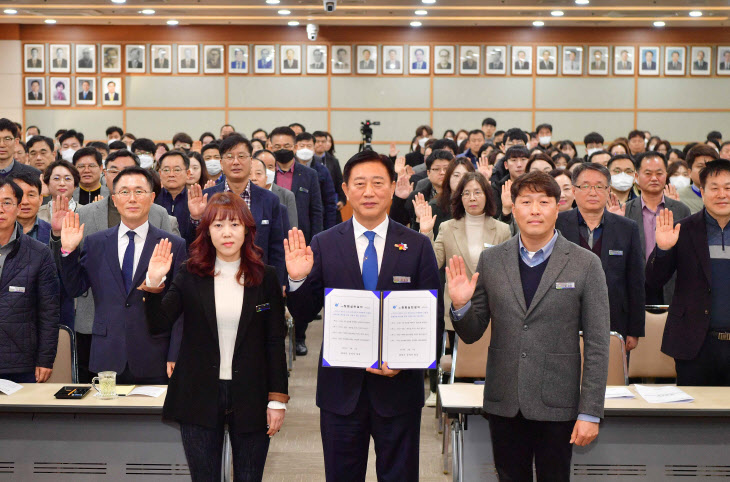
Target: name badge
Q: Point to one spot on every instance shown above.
(401, 279)
(263, 307)
(613, 252)
(565, 286)
(17, 289)
(264, 221)
(304, 189)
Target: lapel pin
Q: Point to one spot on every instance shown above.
(401, 246)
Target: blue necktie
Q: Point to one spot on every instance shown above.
(370, 264)
(128, 262)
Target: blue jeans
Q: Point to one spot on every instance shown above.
(204, 446)
(28, 377)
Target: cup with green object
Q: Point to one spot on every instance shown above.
(106, 385)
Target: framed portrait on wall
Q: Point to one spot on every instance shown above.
(316, 59)
(496, 59)
(367, 56)
(111, 88)
(60, 92)
(623, 60)
(723, 60)
(419, 59)
(649, 58)
(34, 58)
(444, 59)
(521, 60)
(213, 55)
(291, 59)
(135, 58)
(86, 91)
(341, 59)
(572, 60)
(393, 59)
(674, 60)
(161, 59)
(547, 60)
(60, 55)
(111, 58)
(85, 58)
(238, 59)
(701, 58)
(264, 55)
(469, 59)
(35, 91)
(598, 60)
(187, 59)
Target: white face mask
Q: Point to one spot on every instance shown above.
(213, 166)
(305, 154)
(68, 155)
(622, 182)
(28, 137)
(545, 140)
(422, 142)
(146, 161)
(680, 182)
(561, 167)
(270, 175)
(592, 150)
(110, 140)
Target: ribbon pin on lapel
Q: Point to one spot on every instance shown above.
(401, 246)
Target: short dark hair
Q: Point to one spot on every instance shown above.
(181, 154)
(61, 163)
(182, 137)
(122, 153)
(443, 144)
(713, 169)
(676, 152)
(206, 134)
(98, 145)
(674, 168)
(130, 135)
(297, 124)
(17, 191)
(700, 150)
(716, 135)
(544, 126)
(475, 132)
(117, 145)
(516, 151)
(8, 125)
(253, 134)
(27, 177)
(714, 142)
(598, 153)
(515, 133)
(592, 138)
(367, 156)
(111, 130)
(316, 134)
(36, 139)
(72, 134)
(87, 151)
(651, 155)
(232, 141)
(132, 170)
(283, 131)
(536, 181)
(489, 122)
(457, 206)
(620, 157)
(33, 127)
(304, 136)
(589, 166)
(59, 133)
(213, 145)
(540, 157)
(441, 154)
(144, 144)
(636, 133)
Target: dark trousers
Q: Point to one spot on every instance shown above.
(127, 378)
(204, 446)
(26, 377)
(517, 441)
(300, 330)
(83, 353)
(346, 440)
(710, 368)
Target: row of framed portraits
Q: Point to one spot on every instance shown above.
(84, 91)
(374, 59)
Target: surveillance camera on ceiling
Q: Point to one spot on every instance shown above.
(330, 5)
(312, 31)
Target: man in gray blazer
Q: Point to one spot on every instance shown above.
(539, 290)
(96, 217)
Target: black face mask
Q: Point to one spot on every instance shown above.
(283, 156)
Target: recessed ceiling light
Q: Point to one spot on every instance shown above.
(557, 13)
(172, 22)
(582, 2)
(10, 11)
(695, 13)
(429, 1)
(50, 20)
(147, 11)
(659, 23)
(284, 12)
(421, 12)
(273, 2)
(538, 23)
(416, 24)
(293, 23)
(119, 1)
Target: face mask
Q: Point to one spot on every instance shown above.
(422, 142)
(283, 156)
(646, 141)
(213, 166)
(561, 167)
(305, 154)
(592, 150)
(622, 182)
(68, 155)
(28, 137)
(146, 161)
(545, 140)
(680, 182)
(110, 140)
(270, 175)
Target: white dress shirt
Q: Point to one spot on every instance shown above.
(140, 235)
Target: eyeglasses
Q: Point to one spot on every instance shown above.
(277, 147)
(125, 194)
(176, 170)
(7, 204)
(65, 178)
(113, 171)
(468, 194)
(7, 140)
(85, 167)
(600, 188)
(184, 146)
(241, 157)
(440, 170)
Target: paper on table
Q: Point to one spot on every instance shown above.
(8, 388)
(147, 391)
(619, 392)
(123, 390)
(665, 394)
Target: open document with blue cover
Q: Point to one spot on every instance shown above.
(363, 329)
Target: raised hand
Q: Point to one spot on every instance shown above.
(461, 288)
(299, 257)
(409, 171)
(485, 168)
(427, 219)
(402, 187)
(160, 262)
(393, 150)
(209, 183)
(667, 233)
(670, 191)
(196, 147)
(71, 232)
(507, 197)
(60, 208)
(419, 203)
(614, 205)
(196, 201)
(98, 198)
(400, 165)
(44, 187)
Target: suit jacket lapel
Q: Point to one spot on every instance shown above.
(510, 262)
(698, 235)
(634, 212)
(206, 288)
(348, 255)
(250, 298)
(256, 208)
(570, 229)
(556, 263)
(112, 257)
(607, 239)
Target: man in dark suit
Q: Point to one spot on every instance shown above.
(674, 64)
(624, 63)
(114, 263)
(34, 62)
(8, 164)
(318, 61)
(290, 62)
(35, 91)
(546, 63)
(304, 152)
(188, 62)
(134, 61)
(496, 62)
(401, 209)
(420, 63)
(444, 60)
(469, 62)
(614, 239)
(521, 63)
(321, 154)
(598, 62)
(85, 93)
(538, 290)
(162, 62)
(85, 62)
(697, 333)
(356, 404)
(648, 63)
(700, 63)
(392, 62)
(265, 62)
(238, 62)
(110, 94)
(726, 64)
(60, 62)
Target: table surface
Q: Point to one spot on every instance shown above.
(709, 401)
(38, 397)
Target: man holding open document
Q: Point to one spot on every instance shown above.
(374, 278)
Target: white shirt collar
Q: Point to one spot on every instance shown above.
(140, 231)
(381, 229)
